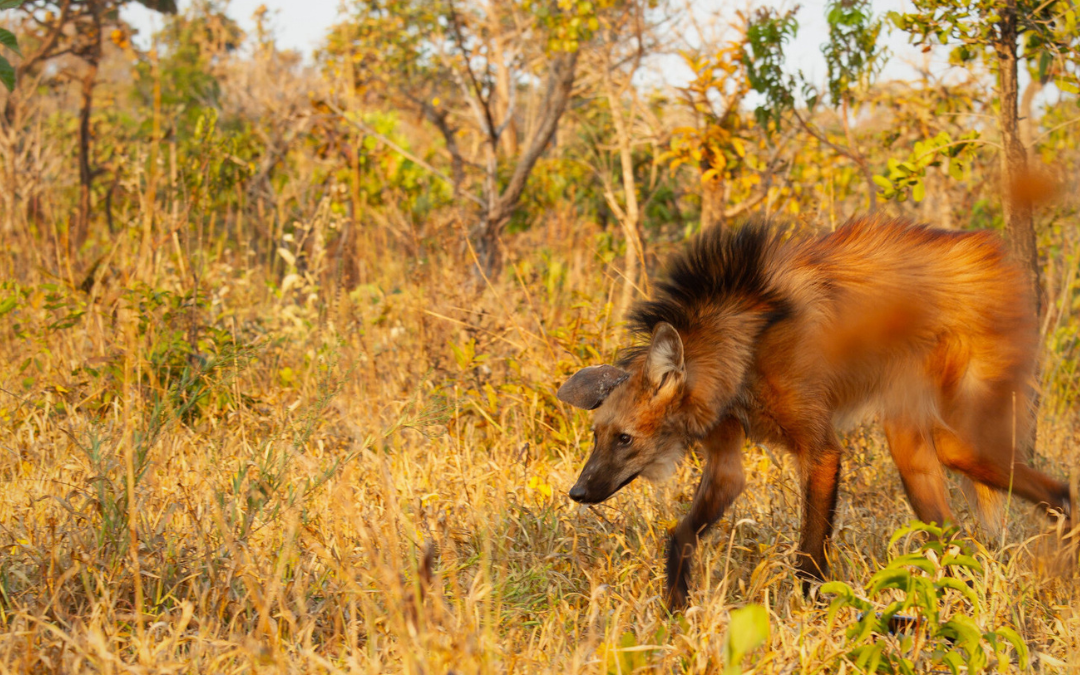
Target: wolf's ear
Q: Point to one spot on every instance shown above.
(588, 388)
(664, 365)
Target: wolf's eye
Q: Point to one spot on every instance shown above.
(624, 439)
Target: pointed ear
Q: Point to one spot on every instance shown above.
(664, 365)
(588, 388)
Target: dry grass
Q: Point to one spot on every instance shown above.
(320, 452)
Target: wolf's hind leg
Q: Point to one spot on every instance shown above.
(920, 470)
(989, 460)
(985, 439)
(721, 482)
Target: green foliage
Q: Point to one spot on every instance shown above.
(214, 162)
(385, 46)
(931, 615)
(908, 177)
(852, 54)
(1048, 31)
(767, 32)
(555, 183)
(189, 45)
(385, 177)
(747, 630)
(7, 39)
(568, 23)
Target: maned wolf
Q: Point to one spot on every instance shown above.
(785, 342)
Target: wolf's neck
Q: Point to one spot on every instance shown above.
(719, 355)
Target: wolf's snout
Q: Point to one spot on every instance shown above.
(578, 492)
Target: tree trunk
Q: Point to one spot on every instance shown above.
(633, 265)
(86, 175)
(630, 214)
(712, 203)
(500, 206)
(1028, 125)
(488, 248)
(503, 84)
(1019, 220)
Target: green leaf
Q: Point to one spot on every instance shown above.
(958, 586)
(10, 4)
(1017, 643)
(961, 560)
(1044, 64)
(934, 531)
(7, 74)
(837, 588)
(918, 192)
(1067, 86)
(7, 38)
(7, 305)
(889, 578)
(956, 170)
(913, 560)
(965, 631)
(749, 628)
(953, 661)
(163, 6)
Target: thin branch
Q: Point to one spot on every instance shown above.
(1053, 129)
(403, 152)
(747, 205)
(50, 42)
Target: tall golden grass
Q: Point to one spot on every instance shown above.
(271, 473)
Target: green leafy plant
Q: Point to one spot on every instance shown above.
(747, 630)
(7, 38)
(907, 177)
(932, 615)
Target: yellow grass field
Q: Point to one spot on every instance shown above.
(247, 476)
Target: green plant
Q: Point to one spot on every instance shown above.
(7, 38)
(910, 174)
(748, 630)
(936, 587)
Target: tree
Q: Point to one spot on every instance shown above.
(995, 31)
(852, 57)
(77, 28)
(460, 68)
(623, 124)
(717, 143)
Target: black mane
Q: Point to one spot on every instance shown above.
(716, 266)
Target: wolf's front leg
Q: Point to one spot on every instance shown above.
(821, 479)
(721, 483)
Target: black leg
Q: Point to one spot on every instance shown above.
(721, 483)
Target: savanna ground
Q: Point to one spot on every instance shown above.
(290, 473)
(264, 414)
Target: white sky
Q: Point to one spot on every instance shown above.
(302, 24)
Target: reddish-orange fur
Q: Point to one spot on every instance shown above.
(931, 331)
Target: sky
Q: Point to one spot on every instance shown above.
(302, 24)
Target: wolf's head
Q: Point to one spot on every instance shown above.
(637, 428)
